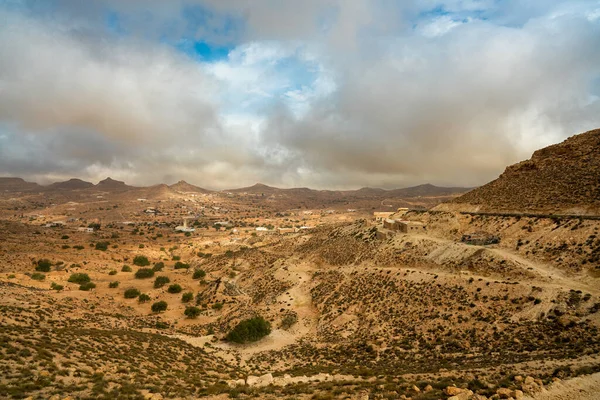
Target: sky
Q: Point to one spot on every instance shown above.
(327, 94)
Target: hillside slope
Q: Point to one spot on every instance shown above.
(562, 178)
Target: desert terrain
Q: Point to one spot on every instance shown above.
(113, 291)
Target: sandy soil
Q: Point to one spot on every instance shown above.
(581, 388)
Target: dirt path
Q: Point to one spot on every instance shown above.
(580, 388)
(301, 302)
(551, 276)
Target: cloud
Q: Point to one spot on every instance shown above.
(326, 94)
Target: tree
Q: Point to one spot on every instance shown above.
(79, 278)
(102, 246)
(159, 306)
(180, 265)
(143, 298)
(161, 281)
(192, 312)
(187, 297)
(199, 274)
(249, 330)
(141, 261)
(132, 293)
(36, 276)
(158, 266)
(144, 273)
(87, 286)
(43, 265)
(175, 288)
(113, 285)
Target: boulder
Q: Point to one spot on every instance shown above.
(428, 388)
(453, 390)
(263, 380)
(504, 393)
(416, 389)
(465, 395)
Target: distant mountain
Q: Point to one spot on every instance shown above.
(257, 188)
(184, 187)
(17, 185)
(427, 190)
(562, 178)
(71, 184)
(416, 191)
(110, 184)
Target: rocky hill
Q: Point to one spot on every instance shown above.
(17, 185)
(563, 179)
(71, 184)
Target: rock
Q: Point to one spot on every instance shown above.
(428, 388)
(517, 394)
(416, 389)
(55, 397)
(504, 393)
(153, 396)
(237, 382)
(529, 380)
(44, 374)
(478, 397)
(554, 380)
(453, 390)
(518, 378)
(464, 395)
(263, 380)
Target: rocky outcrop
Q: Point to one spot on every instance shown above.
(562, 178)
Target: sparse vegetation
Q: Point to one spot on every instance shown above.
(192, 312)
(159, 306)
(43, 265)
(161, 281)
(141, 261)
(131, 293)
(249, 330)
(175, 288)
(80, 278)
(144, 273)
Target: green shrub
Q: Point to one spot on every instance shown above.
(180, 265)
(80, 278)
(65, 237)
(158, 266)
(43, 265)
(87, 286)
(132, 293)
(161, 281)
(65, 246)
(36, 276)
(249, 330)
(217, 306)
(56, 286)
(159, 306)
(144, 273)
(126, 268)
(187, 297)
(141, 261)
(103, 246)
(113, 272)
(175, 288)
(192, 312)
(113, 285)
(79, 247)
(199, 274)
(143, 298)
(176, 258)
